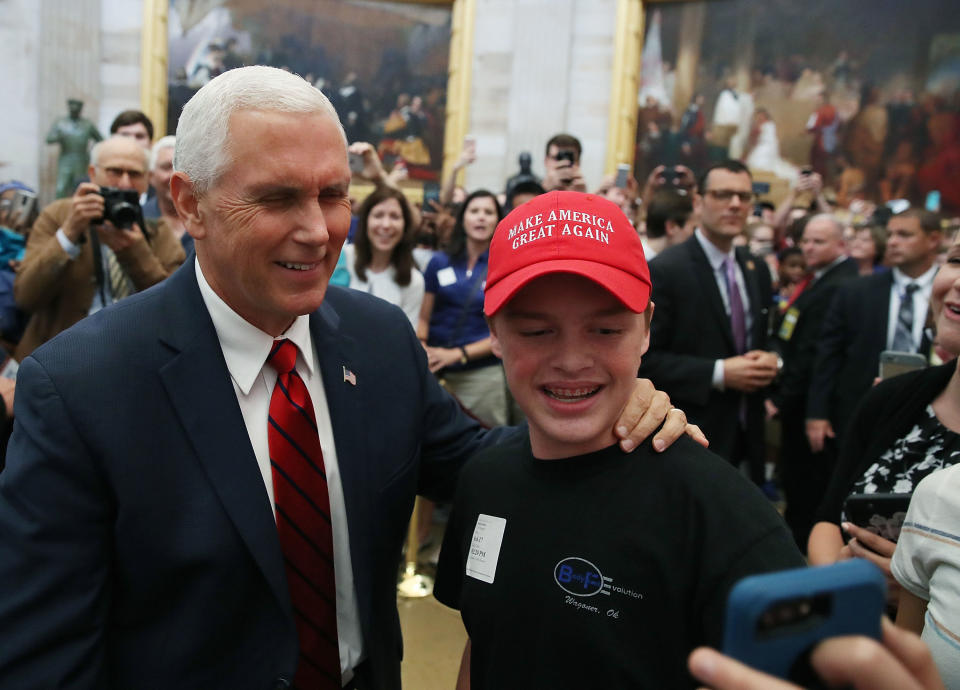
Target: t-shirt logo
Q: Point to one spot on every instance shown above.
(580, 577)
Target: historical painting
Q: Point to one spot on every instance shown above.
(864, 92)
(383, 64)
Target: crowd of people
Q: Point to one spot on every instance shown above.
(222, 419)
(869, 138)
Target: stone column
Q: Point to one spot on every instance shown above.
(68, 64)
(20, 129)
(540, 67)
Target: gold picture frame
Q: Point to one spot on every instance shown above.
(625, 82)
(154, 60)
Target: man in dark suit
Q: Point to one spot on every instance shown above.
(708, 337)
(803, 474)
(884, 311)
(193, 495)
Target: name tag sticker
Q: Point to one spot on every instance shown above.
(485, 547)
(446, 276)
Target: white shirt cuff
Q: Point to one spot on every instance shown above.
(718, 375)
(73, 250)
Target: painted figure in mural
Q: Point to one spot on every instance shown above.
(75, 134)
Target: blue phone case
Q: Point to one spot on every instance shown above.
(853, 593)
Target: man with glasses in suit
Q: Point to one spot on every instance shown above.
(708, 342)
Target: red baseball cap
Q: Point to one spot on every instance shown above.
(567, 232)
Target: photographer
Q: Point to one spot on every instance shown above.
(562, 164)
(60, 280)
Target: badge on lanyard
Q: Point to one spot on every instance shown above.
(789, 323)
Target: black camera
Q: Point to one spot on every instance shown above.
(566, 155)
(672, 177)
(121, 207)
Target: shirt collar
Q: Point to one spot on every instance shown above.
(925, 280)
(818, 274)
(715, 255)
(245, 347)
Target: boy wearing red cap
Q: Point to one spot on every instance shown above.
(572, 564)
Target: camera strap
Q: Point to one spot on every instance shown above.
(98, 264)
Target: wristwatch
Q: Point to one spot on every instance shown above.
(464, 358)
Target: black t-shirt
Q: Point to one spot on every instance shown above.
(612, 567)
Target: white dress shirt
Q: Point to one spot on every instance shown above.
(384, 285)
(245, 349)
(921, 301)
(716, 257)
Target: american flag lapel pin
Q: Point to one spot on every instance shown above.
(349, 377)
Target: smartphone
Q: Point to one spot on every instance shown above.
(893, 363)
(623, 171)
(761, 188)
(22, 207)
(566, 155)
(932, 202)
(881, 514)
(806, 170)
(774, 620)
(431, 192)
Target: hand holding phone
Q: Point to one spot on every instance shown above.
(902, 662)
(882, 514)
(774, 620)
(623, 170)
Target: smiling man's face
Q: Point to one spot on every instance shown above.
(269, 232)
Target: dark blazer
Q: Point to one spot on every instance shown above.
(887, 413)
(138, 546)
(691, 329)
(853, 335)
(798, 346)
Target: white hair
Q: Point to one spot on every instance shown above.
(167, 142)
(203, 137)
(97, 149)
(837, 225)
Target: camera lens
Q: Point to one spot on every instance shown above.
(123, 215)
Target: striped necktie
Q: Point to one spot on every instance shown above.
(120, 285)
(302, 508)
(903, 331)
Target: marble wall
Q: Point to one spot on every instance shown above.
(53, 50)
(540, 67)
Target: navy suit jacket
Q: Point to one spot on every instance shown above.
(138, 547)
(853, 334)
(691, 330)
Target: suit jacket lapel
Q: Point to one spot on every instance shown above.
(708, 287)
(214, 425)
(749, 265)
(344, 381)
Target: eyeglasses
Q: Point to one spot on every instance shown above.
(117, 173)
(726, 195)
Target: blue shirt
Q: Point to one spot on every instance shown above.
(457, 318)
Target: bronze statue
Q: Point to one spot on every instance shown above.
(74, 134)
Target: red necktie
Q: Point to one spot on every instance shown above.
(303, 521)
